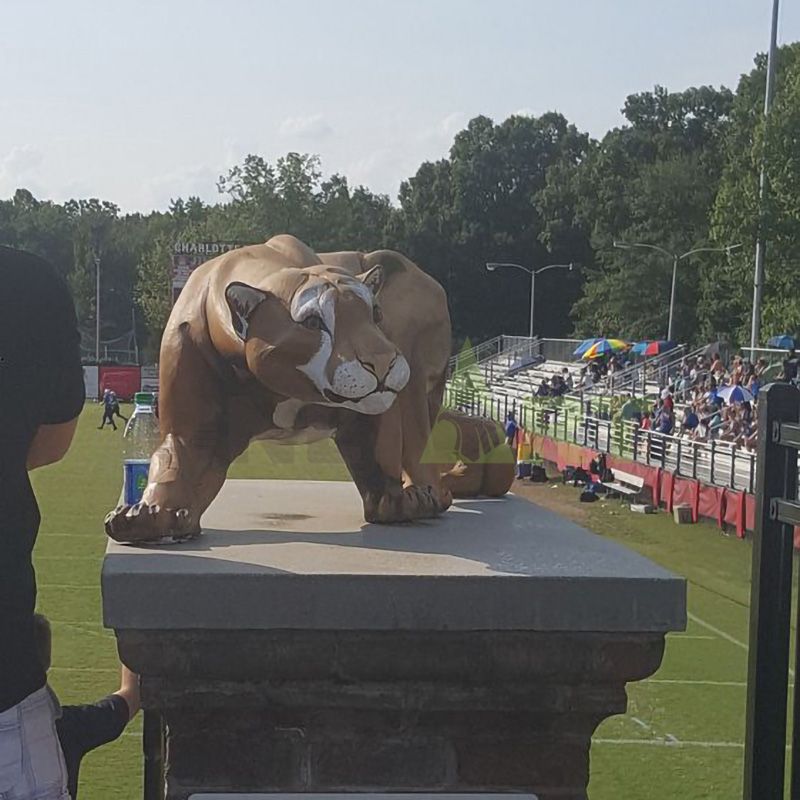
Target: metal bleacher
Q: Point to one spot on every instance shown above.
(493, 380)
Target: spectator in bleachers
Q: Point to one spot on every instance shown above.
(665, 421)
(544, 389)
(691, 421)
(587, 379)
(731, 428)
(790, 367)
(629, 410)
(753, 385)
(566, 377)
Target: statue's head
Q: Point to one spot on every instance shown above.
(314, 334)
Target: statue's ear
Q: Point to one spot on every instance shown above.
(374, 278)
(242, 301)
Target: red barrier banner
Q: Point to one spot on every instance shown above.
(750, 512)
(710, 503)
(683, 494)
(123, 381)
(667, 485)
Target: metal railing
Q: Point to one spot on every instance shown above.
(512, 348)
(771, 354)
(470, 356)
(717, 463)
(777, 513)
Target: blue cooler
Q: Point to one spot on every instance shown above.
(134, 479)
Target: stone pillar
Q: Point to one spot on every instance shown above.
(293, 648)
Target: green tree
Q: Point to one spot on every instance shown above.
(480, 205)
(153, 289)
(653, 180)
(727, 293)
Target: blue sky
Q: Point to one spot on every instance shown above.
(141, 101)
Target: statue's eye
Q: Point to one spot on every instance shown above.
(313, 323)
(377, 314)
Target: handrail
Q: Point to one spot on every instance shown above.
(471, 356)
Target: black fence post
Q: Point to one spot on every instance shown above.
(770, 602)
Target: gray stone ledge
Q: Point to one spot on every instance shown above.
(296, 555)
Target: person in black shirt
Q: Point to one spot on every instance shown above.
(41, 396)
(83, 728)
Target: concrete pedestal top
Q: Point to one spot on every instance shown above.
(297, 555)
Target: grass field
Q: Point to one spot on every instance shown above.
(681, 738)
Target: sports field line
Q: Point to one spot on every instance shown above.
(98, 557)
(668, 743)
(728, 638)
(709, 627)
(681, 682)
(81, 586)
(689, 636)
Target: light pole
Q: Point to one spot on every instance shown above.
(761, 245)
(675, 259)
(97, 310)
(493, 265)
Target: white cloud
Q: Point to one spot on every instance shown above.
(20, 168)
(198, 181)
(312, 126)
(450, 125)
(524, 112)
(442, 131)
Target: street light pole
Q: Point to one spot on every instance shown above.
(491, 266)
(533, 303)
(675, 259)
(97, 309)
(761, 245)
(672, 296)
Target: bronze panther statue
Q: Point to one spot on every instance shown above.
(273, 341)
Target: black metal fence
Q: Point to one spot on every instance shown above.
(777, 512)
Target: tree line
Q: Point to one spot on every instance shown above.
(680, 173)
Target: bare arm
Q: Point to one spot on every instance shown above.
(129, 691)
(50, 443)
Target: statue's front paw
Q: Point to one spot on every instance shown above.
(150, 523)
